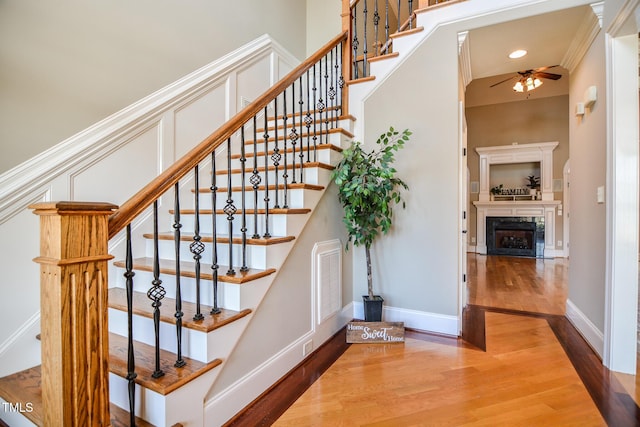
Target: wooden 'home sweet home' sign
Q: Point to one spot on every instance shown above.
(375, 332)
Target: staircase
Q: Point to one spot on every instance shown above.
(213, 291)
(178, 395)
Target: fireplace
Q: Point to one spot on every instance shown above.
(515, 236)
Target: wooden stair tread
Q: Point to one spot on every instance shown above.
(142, 307)
(208, 237)
(290, 150)
(249, 187)
(173, 377)
(25, 387)
(305, 165)
(187, 269)
(272, 211)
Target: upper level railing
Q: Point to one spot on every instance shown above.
(371, 25)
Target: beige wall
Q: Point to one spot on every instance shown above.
(528, 121)
(588, 172)
(68, 64)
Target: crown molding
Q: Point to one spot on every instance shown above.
(586, 34)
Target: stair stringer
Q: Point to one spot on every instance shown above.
(264, 354)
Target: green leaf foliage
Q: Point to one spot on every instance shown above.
(368, 187)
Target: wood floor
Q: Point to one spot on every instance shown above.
(536, 371)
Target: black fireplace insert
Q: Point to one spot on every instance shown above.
(515, 236)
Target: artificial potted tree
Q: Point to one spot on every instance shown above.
(368, 189)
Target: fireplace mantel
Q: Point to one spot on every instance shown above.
(517, 153)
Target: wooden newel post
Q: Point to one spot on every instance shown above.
(73, 293)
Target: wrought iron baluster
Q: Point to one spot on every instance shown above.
(214, 234)
(376, 21)
(332, 91)
(285, 175)
(301, 147)
(308, 120)
(197, 247)
(293, 134)
(275, 156)
(156, 293)
(410, 14)
(176, 239)
(255, 179)
(365, 48)
(386, 26)
(341, 81)
(399, 15)
(315, 133)
(243, 228)
(230, 209)
(266, 177)
(354, 41)
(326, 98)
(131, 363)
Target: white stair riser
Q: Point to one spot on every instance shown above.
(296, 199)
(229, 294)
(313, 175)
(142, 283)
(324, 155)
(183, 405)
(257, 256)
(280, 225)
(197, 345)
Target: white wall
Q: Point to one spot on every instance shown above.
(323, 22)
(70, 63)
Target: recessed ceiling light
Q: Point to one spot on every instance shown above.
(517, 54)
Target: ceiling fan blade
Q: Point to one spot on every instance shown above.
(500, 82)
(544, 68)
(547, 75)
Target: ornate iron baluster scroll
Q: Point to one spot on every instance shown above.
(156, 293)
(197, 247)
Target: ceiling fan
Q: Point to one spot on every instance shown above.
(529, 80)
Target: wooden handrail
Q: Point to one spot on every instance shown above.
(163, 182)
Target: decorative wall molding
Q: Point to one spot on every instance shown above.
(100, 138)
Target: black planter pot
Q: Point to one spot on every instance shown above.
(372, 308)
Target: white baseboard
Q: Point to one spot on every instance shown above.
(224, 405)
(593, 336)
(421, 320)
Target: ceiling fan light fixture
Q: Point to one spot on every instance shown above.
(517, 54)
(518, 87)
